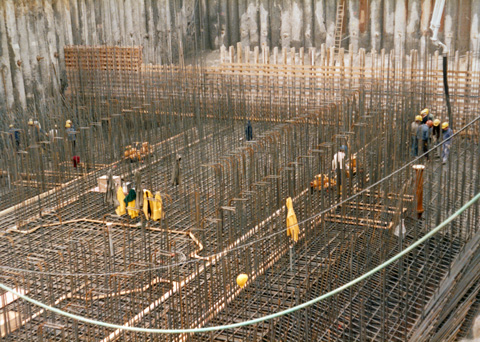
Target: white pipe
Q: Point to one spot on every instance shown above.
(435, 24)
(436, 18)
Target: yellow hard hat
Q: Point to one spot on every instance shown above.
(30, 122)
(418, 118)
(436, 122)
(445, 125)
(68, 125)
(10, 126)
(425, 111)
(242, 279)
(69, 122)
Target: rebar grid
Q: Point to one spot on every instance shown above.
(228, 215)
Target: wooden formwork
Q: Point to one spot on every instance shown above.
(103, 57)
(263, 79)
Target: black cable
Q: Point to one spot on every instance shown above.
(445, 86)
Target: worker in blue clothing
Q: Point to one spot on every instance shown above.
(446, 141)
(413, 132)
(423, 134)
(14, 136)
(344, 148)
(249, 131)
(71, 134)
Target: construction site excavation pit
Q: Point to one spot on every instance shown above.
(194, 179)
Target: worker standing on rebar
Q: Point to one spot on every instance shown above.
(435, 137)
(71, 135)
(14, 136)
(447, 141)
(176, 174)
(436, 131)
(249, 131)
(423, 134)
(426, 115)
(413, 133)
(35, 132)
(337, 166)
(53, 133)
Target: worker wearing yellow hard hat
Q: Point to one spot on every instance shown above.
(446, 142)
(435, 136)
(426, 115)
(436, 131)
(71, 135)
(14, 136)
(413, 135)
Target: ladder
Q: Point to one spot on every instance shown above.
(339, 25)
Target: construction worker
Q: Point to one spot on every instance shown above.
(423, 134)
(413, 133)
(249, 131)
(426, 115)
(70, 124)
(71, 134)
(435, 136)
(436, 131)
(53, 133)
(447, 141)
(35, 132)
(176, 174)
(337, 166)
(14, 136)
